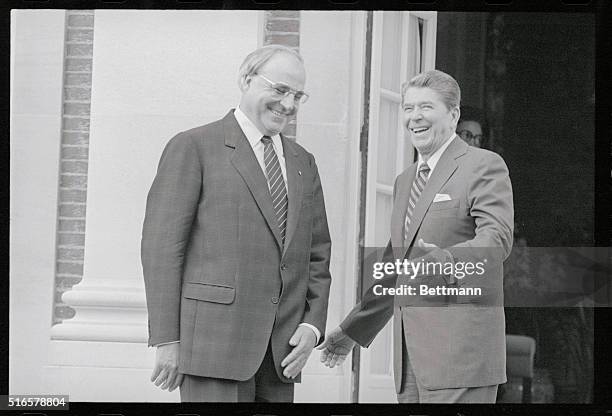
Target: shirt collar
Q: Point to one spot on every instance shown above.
(435, 157)
(252, 133)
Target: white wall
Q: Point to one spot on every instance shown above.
(37, 42)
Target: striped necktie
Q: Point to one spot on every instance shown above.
(415, 192)
(276, 183)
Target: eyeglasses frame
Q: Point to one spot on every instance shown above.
(303, 95)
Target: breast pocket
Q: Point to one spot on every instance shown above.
(444, 209)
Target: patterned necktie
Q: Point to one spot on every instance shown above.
(276, 184)
(415, 193)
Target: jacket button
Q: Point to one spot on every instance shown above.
(274, 300)
(283, 266)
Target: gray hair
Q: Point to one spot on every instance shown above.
(442, 83)
(256, 59)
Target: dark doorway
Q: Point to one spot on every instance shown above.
(533, 75)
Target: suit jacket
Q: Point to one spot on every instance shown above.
(461, 343)
(216, 274)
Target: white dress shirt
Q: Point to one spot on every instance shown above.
(435, 157)
(254, 136)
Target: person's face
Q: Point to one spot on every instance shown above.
(471, 132)
(265, 107)
(428, 121)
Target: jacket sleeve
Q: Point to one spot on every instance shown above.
(320, 252)
(491, 205)
(372, 313)
(170, 211)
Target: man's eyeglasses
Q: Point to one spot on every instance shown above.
(283, 90)
(469, 136)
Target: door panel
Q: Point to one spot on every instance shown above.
(403, 44)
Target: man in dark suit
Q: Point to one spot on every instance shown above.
(236, 248)
(451, 208)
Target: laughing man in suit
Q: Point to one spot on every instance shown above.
(236, 248)
(453, 206)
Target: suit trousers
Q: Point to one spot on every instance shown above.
(415, 392)
(264, 386)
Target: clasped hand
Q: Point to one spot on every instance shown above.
(303, 341)
(336, 347)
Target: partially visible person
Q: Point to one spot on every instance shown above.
(472, 126)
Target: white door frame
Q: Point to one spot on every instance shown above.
(416, 55)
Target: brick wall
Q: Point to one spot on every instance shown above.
(283, 27)
(74, 154)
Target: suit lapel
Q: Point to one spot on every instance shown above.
(248, 167)
(445, 167)
(294, 183)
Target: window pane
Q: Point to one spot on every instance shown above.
(391, 51)
(414, 48)
(387, 141)
(384, 205)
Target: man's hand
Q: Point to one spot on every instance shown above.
(304, 340)
(433, 253)
(336, 347)
(423, 244)
(166, 374)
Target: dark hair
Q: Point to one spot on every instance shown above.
(442, 83)
(469, 113)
